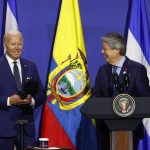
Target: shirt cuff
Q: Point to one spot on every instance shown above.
(8, 102)
(32, 102)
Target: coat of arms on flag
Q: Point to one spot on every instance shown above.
(69, 82)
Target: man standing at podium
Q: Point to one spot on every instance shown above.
(119, 75)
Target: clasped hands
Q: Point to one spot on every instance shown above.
(16, 100)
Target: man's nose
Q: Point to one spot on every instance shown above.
(16, 46)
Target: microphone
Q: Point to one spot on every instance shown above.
(120, 87)
(116, 80)
(126, 79)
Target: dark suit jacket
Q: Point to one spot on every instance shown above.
(10, 114)
(139, 83)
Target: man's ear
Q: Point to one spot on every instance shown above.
(118, 51)
(4, 45)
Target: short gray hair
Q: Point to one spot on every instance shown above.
(115, 41)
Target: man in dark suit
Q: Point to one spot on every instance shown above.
(136, 85)
(13, 105)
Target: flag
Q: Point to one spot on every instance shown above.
(9, 21)
(138, 49)
(11, 16)
(68, 85)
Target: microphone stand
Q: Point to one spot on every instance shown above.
(121, 88)
(21, 123)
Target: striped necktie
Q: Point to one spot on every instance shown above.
(114, 69)
(115, 80)
(17, 76)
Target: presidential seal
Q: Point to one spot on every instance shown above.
(123, 105)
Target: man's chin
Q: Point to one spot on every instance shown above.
(106, 60)
(15, 57)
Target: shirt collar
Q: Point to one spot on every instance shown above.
(10, 60)
(120, 63)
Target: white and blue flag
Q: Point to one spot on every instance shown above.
(11, 16)
(9, 21)
(138, 49)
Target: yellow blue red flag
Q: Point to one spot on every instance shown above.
(68, 85)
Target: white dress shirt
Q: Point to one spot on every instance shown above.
(120, 64)
(11, 64)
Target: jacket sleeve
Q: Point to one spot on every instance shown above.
(40, 97)
(96, 90)
(142, 82)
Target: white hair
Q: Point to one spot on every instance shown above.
(11, 32)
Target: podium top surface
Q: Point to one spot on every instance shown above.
(102, 108)
(50, 148)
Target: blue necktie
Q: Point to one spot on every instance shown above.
(114, 69)
(17, 76)
(115, 80)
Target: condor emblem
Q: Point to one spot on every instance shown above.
(69, 83)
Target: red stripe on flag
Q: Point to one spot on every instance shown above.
(50, 98)
(52, 129)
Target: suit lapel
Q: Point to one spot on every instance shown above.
(125, 68)
(109, 80)
(7, 71)
(9, 74)
(24, 71)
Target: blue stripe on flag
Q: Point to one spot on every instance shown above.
(79, 129)
(140, 30)
(53, 64)
(12, 5)
(3, 27)
(65, 117)
(144, 144)
(139, 26)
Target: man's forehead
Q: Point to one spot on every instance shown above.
(13, 36)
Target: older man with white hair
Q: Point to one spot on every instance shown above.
(15, 72)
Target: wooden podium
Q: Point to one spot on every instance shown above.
(101, 108)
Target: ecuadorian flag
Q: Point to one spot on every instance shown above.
(138, 49)
(68, 85)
